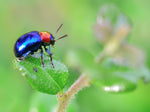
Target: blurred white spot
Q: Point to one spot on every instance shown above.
(23, 74)
(20, 69)
(53, 109)
(33, 109)
(107, 88)
(114, 88)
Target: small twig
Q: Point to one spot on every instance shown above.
(65, 98)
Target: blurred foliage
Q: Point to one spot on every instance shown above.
(119, 66)
(48, 103)
(19, 17)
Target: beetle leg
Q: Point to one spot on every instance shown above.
(42, 56)
(25, 55)
(50, 54)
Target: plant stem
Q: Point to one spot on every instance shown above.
(65, 98)
(113, 44)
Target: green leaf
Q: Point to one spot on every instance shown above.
(110, 75)
(44, 79)
(119, 78)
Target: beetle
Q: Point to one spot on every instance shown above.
(33, 41)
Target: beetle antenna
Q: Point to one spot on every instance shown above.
(61, 37)
(58, 30)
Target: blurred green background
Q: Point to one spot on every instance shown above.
(79, 16)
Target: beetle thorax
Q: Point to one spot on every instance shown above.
(45, 36)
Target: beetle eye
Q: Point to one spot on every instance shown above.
(52, 37)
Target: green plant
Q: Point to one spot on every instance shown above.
(117, 68)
